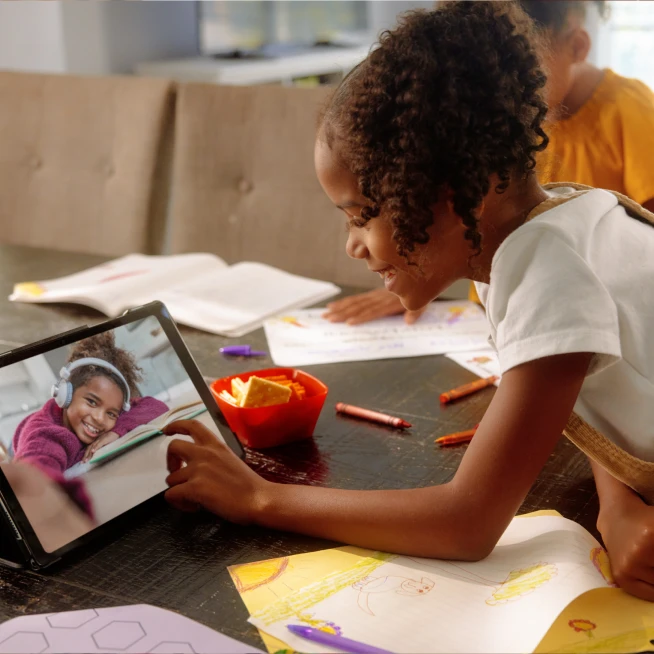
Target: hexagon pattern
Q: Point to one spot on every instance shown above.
(71, 620)
(172, 647)
(118, 635)
(25, 641)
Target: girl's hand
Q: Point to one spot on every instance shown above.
(207, 474)
(371, 305)
(99, 442)
(628, 534)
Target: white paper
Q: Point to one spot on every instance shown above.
(483, 363)
(304, 338)
(236, 300)
(505, 603)
(122, 283)
(199, 290)
(139, 628)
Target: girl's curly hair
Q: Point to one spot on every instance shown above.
(103, 346)
(447, 99)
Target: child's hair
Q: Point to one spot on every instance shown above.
(449, 98)
(103, 346)
(553, 14)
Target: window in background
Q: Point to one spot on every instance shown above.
(631, 39)
(277, 26)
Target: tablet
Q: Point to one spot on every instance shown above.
(82, 442)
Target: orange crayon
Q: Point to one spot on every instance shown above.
(374, 416)
(468, 389)
(457, 437)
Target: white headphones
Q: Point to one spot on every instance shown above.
(62, 391)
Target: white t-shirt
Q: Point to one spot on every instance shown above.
(579, 278)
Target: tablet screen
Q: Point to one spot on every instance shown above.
(81, 427)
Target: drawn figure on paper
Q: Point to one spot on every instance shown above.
(399, 585)
(600, 559)
(521, 582)
(309, 596)
(517, 583)
(583, 626)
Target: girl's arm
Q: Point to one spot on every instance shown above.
(143, 411)
(48, 453)
(626, 523)
(462, 519)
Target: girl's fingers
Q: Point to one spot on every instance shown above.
(177, 496)
(179, 476)
(372, 313)
(179, 452)
(90, 451)
(639, 588)
(646, 575)
(377, 301)
(410, 317)
(196, 430)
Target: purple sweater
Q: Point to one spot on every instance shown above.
(43, 440)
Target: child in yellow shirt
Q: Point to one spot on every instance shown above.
(601, 133)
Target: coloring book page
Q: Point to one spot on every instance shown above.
(305, 338)
(602, 621)
(505, 603)
(139, 628)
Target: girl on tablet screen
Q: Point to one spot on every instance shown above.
(95, 402)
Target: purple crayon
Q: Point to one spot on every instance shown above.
(241, 351)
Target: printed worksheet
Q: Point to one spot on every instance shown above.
(482, 362)
(305, 338)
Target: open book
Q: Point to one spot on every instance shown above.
(544, 587)
(200, 290)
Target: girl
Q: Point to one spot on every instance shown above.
(601, 133)
(54, 438)
(428, 149)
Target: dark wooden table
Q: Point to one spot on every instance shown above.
(179, 562)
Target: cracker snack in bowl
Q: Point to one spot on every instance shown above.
(271, 407)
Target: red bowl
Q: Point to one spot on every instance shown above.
(269, 426)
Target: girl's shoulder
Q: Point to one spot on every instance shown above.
(626, 93)
(569, 216)
(49, 413)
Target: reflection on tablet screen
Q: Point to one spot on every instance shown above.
(80, 427)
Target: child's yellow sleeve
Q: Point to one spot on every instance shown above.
(636, 104)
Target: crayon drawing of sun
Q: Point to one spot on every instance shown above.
(275, 576)
(290, 320)
(521, 582)
(600, 560)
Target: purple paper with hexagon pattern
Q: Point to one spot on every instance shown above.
(139, 628)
